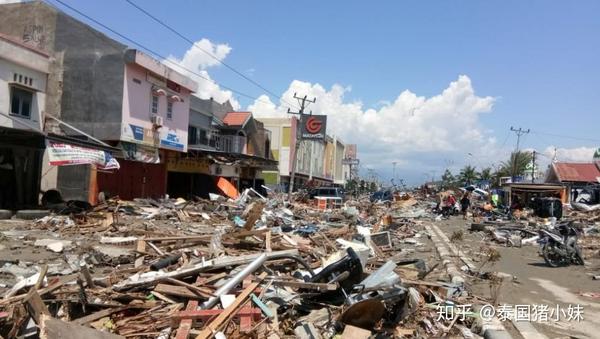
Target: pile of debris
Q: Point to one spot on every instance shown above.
(249, 267)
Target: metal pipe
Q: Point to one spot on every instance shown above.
(231, 283)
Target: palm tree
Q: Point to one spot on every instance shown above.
(468, 175)
(516, 165)
(486, 174)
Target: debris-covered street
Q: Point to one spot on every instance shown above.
(313, 170)
(260, 267)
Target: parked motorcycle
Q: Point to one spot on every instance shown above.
(559, 246)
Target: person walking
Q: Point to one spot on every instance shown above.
(465, 202)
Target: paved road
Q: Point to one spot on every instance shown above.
(538, 284)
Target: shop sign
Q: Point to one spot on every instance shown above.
(313, 127)
(163, 137)
(188, 165)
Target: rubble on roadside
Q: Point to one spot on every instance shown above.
(251, 267)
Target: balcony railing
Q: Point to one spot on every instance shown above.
(232, 143)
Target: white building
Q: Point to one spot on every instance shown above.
(23, 76)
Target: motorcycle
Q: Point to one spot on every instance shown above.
(559, 246)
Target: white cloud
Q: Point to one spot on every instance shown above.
(410, 127)
(577, 154)
(195, 63)
(2, 2)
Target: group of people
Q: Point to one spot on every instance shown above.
(449, 204)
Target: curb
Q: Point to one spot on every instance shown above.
(490, 329)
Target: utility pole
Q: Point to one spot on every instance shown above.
(519, 133)
(303, 104)
(533, 169)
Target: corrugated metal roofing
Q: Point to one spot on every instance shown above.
(236, 118)
(577, 172)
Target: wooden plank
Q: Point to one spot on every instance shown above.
(198, 290)
(51, 328)
(181, 238)
(252, 214)
(35, 305)
(141, 246)
(204, 315)
(163, 297)
(155, 248)
(245, 233)
(40, 280)
(186, 324)
(353, 332)
(98, 315)
(212, 278)
(268, 241)
(179, 291)
(214, 326)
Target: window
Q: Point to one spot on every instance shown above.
(169, 110)
(286, 136)
(154, 104)
(203, 137)
(192, 135)
(20, 102)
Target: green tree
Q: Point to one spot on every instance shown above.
(516, 165)
(486, 174)
(468, 175)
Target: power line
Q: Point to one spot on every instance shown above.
(194, 44)
(153, 52)
(565, 136)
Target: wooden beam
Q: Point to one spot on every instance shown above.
(214, 325)
(40, 280)
(35, 305)
(268, 241)
(205, 292)
(98, 315)
(179, 291)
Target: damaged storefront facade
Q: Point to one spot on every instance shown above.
(98, 89)
(221, 144)
(23, 76)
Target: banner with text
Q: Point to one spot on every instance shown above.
(65, 154)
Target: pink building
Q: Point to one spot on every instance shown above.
(156, 103)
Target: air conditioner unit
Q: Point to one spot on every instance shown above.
(156, 120)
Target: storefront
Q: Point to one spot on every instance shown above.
(21, 154)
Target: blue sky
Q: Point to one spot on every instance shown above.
(539, 60)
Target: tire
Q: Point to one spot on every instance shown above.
(31, 214)
(5, 214)
(546, 252)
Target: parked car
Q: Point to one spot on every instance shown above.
(327, 192)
